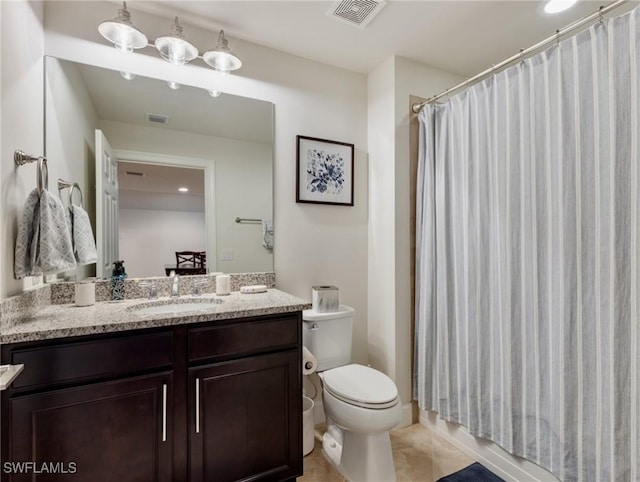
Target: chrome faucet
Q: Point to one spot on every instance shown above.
(175, 288)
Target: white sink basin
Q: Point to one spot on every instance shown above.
(175, 307)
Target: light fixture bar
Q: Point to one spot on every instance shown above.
(172, 47)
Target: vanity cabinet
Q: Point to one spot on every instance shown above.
(213, 401)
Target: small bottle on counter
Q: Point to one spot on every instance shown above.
(118, 276)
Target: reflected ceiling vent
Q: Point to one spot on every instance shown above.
(134, 173)
(356, 12)
(157, 118)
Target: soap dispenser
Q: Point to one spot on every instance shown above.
(117, 281)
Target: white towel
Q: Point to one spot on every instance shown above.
(267, 233)
(55, 251)
(84, 244)
(27, 239)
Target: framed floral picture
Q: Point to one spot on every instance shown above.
(324, 171)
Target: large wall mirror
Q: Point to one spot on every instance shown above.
(162, 170)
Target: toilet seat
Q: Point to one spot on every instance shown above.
(361, 386)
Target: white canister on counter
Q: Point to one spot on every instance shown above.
(223, 284)
(85, 293)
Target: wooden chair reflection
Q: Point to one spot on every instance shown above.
(190, 262)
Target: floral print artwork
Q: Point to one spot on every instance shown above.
(325, 172)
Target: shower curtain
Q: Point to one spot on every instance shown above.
(528, 260)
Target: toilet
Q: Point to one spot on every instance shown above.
(361, 404)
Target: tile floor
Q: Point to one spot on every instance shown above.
(419, 456)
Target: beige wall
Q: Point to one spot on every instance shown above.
(390, 337)
(21, 122)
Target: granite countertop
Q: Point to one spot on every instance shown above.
(60, 321)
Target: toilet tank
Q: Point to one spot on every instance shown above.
(328, 336)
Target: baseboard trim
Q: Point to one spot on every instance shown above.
(496, 459)
(407, 416)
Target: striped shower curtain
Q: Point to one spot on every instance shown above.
(528, 263)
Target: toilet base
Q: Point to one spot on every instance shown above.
(360, 458)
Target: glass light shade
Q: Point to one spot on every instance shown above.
(222, 58)
(557, 6)
(174, 48)
(122, 33)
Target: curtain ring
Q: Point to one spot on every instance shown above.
(522, 56)
(557, 38)
(600, 15)
(75, 185)
(43, 175)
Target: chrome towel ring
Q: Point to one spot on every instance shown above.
(21, 158)
(62, 184)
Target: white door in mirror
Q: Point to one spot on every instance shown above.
(253, 289)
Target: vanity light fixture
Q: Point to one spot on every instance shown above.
(122, 33)
(222, 58)
(183, 189)
(172, 47)
(557, 6)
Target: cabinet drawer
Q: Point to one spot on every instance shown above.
(83, 361)
(245, 337)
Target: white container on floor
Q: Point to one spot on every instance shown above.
(308, 426)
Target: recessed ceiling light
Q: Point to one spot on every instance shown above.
(557, 6)
(183, 189)
(173, 85)
(128, 75)
(214, 93)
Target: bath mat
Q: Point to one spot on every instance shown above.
(474, 473)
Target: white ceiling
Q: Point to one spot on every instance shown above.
(160, 178)
(459, 36)
(189, 109)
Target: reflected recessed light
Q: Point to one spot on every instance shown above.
(557, 6)
(173, 85)
(128, 75)
(183, 189)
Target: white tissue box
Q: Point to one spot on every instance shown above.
(325, 299)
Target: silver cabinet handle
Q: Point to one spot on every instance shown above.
(197, 405)
(164, 412)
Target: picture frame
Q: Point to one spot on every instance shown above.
(324, 171)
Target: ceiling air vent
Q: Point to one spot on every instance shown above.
(134, 173)
(356, 12)
(158, 118)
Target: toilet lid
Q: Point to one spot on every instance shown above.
(361, 386)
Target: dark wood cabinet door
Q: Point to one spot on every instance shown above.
(110, 431)
(245, 419)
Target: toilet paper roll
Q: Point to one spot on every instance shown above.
(85, 294)
(309, 362)
(223, 284)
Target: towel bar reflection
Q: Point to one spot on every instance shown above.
(62, 184)
(21, 158)
(248, 220)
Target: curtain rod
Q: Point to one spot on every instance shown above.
(417, 107)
